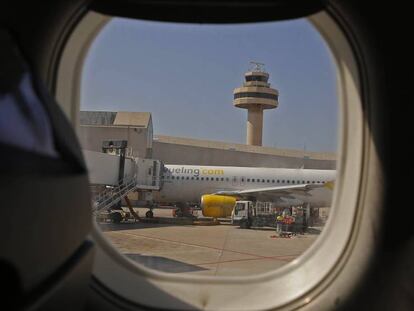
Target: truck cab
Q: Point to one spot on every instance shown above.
(241, 211)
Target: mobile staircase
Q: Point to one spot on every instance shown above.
(113, 194)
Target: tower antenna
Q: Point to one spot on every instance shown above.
(257, 67)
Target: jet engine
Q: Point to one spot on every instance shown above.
(217, 206)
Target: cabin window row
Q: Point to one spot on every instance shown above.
(255, 180)
(196, 178)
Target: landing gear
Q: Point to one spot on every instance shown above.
(151, 205)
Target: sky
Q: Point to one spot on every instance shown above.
(184, 74)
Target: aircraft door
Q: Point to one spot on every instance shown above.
(234, 181)
(242, 180)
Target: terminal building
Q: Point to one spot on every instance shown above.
(102, 128)
(179, 150)
(99, 128)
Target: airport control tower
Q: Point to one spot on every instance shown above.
(255, 95)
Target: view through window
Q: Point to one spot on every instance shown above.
(211, 148)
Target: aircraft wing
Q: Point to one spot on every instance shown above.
(274, 193)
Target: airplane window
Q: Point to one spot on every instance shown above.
(144, 87)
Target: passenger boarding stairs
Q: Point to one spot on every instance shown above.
(139, 174)
(112, 195)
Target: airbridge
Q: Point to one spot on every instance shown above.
(116, 176)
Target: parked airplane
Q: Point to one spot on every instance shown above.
(218, 187)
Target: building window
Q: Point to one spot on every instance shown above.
(256, 95)
(256, 78)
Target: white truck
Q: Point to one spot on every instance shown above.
(249, 214)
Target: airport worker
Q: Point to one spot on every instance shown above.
(304, 223)
(288, 220)
(279, 222)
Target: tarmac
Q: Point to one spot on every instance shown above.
(222, 249)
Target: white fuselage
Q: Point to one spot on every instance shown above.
(187, 183)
